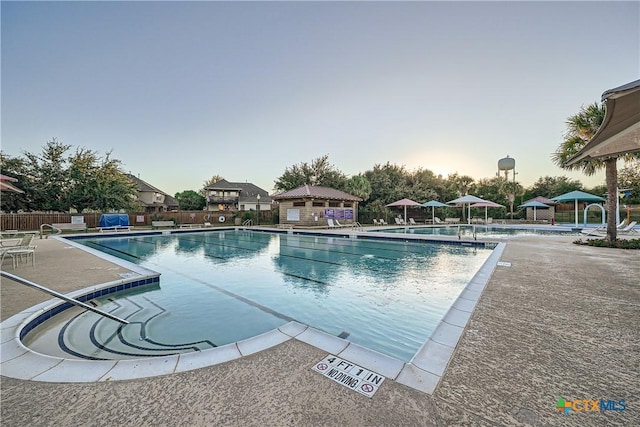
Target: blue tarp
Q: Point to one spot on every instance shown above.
(114, 220)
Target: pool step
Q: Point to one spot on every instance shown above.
(85, 335)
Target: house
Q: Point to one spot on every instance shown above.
(236, 196)
(152, 199)
(541, 213)
(311, 206)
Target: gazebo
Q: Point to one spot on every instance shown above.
(311, 206)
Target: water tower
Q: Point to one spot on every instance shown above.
(509, 164)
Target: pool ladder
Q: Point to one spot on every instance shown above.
(473, 231)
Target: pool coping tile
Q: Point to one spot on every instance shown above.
(293, 329)
(30, 364)
(201, 359)
(73, 371)
(433, 357)
(141, 368)
(418, 379)
(457, 317)
(380, 363)
(262, 342)
(323, 341)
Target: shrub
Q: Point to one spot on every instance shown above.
(603, 243)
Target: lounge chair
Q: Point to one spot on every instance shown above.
(399, 221)
(22, 251)
(412, 222)
(330, 223)
(629, 228)
(341, 225)
(383, 222)
(603, 228)
(437, 220)
(375, 222)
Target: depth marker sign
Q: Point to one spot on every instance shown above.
(349, 375)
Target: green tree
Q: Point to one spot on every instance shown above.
(360, 186)
(629, 179)
(55, 181)
(551, 186)
(581, 127)
(114, 190)
(425, 185)
(320, 172)
(190, 200)
(47, 173)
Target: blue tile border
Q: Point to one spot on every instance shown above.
(110, 289)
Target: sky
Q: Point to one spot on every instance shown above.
(182, 91)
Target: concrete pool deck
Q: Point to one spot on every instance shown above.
(560, 321)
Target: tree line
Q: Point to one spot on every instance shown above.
(60, 179)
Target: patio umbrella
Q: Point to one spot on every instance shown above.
(405, 203)
(467, 199)
(434, 204)
(5, 184)
(577, 196)
(534, 204)
(487, 204)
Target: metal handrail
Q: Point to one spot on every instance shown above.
(248, 222)
(62, 297)
(52, 229)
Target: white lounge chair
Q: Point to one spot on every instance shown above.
(383, 222)
(330, 223)
(399, 221)
(22, 251)
(412, 221)
(629, 228)
(602, 229)
(375, 221)
(437, 220)
(341, 225)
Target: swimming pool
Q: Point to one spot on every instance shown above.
(219, 287)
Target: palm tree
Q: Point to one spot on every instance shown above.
(581, 128)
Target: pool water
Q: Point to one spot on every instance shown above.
(484, 231)
(219, 287)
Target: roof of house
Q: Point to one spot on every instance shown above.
(248, 191)
(542, 200)
(144, 186)
(307, 191)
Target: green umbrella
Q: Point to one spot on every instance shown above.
(577, 196)
(434, 204)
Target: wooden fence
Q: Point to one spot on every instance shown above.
(32, 221)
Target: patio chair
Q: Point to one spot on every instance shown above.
(331, 224)
(383, 222)
(22, 251)
(629, 228)
(399, 221)
(437, 220)
(337, 223)
(375, 222)
(602, 229)
(412, 221)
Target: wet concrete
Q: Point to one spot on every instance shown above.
(561, 321)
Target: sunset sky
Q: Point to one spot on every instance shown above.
(181, 91)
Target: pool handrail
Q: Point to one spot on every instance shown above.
(26, 282)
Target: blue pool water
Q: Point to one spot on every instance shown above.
(219, 287)
(484, 231)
